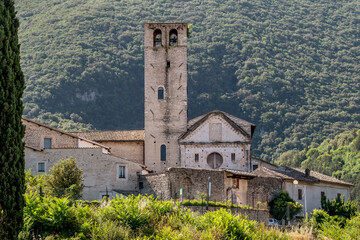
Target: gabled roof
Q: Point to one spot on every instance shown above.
(243, 126)
(65, 133)
(113, 136)
(263, 161)
(291, 174)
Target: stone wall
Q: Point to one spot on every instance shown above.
(35, 135)
(130, 150)
(251, 214)
(157, 185)
(192, 181)
(262, 189)
(100, 171)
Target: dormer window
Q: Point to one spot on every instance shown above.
(173, 39)
(157, 38)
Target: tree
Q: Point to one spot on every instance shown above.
(66, 179)
(12, 164)
(279, 204)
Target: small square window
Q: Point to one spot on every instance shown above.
(47, 142)
(41, 167)
(233, 157)
(196, 157)
(299, 194)
(122, 171)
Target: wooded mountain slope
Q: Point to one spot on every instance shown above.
(291, 67)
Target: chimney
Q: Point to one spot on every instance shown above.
(307, 172)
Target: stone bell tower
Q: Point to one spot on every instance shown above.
(165, 46)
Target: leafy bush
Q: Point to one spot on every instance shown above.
(134, 217)
(279, 204)
(66, 179)
(338, 207)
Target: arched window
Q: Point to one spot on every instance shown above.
(173, 39)
(214, 160)
(163, 152)
(157, 38)
(160, 93)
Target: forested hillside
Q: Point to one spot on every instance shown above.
(291, 67)
(339, 157)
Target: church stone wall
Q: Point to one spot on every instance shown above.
(192, 181)
(188, 151)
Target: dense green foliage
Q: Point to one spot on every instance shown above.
(334, 227)
(138, 217)
(338, 207)
(278, 206)
(338, 156)
(291, 67)
(66, 179)
(12, 178)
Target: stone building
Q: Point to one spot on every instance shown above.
(303, 185)
(128, 145)
(104, 173)
(172, 153)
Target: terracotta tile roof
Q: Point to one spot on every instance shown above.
(245, 127)
(288, 173)
(103, 136)
(240, 173)
(65, 133)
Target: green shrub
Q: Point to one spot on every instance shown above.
(66, 179)
(338, 207)
(279, 204)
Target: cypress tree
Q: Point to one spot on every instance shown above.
(12, 175)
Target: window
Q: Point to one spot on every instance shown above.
(255, 166)
(168, 64)
(339, 195)
(141, 185)
(163, 153)
(233, 157)
(157, 38)
(47, 142)
(299, 194)
(196, 157)
(160, 93)
(122, 171)
(173, 38)
(214, 160)
(41, 167)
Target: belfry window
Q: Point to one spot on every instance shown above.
(163, 152)
(160, 93)
(157, 38)
(173, 39)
